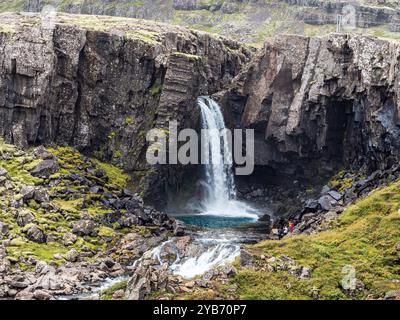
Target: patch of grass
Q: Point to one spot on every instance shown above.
(43, 252)
(364, 237)
(107, 294)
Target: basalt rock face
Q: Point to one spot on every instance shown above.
(318, 104)
(102, 91)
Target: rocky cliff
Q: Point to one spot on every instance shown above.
(99, 84)
(321, 103)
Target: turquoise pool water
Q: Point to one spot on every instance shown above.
(213, 222)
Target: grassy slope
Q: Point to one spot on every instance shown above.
(364, 237)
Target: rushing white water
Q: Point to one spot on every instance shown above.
(215, 256)
(207, 254)
(215, 196)
(219, 192)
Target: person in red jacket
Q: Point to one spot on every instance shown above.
(291, 226)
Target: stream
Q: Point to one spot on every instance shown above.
(216, 221)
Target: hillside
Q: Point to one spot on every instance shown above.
(246, 21)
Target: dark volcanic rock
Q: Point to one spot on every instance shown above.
(84, 228)
(35, 234)
(45, 168)
(318, 104)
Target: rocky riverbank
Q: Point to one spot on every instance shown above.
(68, 222)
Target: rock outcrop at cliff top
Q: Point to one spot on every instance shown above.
(319, 103)
(100, 83)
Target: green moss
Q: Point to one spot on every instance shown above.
(42, 252)
(116, 175)
(190, 57)
(340, 183)
(156, 88)
(106, 232)
(70, 206)
(129, 120)
(18, 166)
(108, 293)
(11, 5)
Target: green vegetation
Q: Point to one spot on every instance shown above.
(340, 182)
(107, 294)
(156, 88)
(364, 237)
(11, 5)
(118, 178)
(190, 57)
(69, 201)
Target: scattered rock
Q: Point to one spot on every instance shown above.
(84, 228)
(42, 295)
(72, 255)
(46, 168)
(246, 258)
(36, 235)
(69, 239)
(25, 217)
(3, 172)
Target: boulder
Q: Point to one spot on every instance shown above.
(72, 255)
(335, 195)
(3, 172)
(119, 294)
(84, 228)
(42, 295)
(35, 234)
(246, 258)
(41, 195)
(42, 153)
(69, 239)
(4, 228)
(27, 192)
(179, 229)
(325, 203)
(46, 168)
(25, 217)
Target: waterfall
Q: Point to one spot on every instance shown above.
(218, 188)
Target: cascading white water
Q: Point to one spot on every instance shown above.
(217, 198)
(220, 193)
